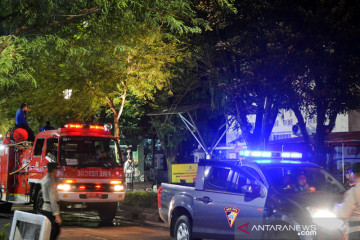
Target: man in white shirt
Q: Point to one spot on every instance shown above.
(350, 208)
(129, 171)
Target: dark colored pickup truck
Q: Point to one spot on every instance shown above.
(261, 199)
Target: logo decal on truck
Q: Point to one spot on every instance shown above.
(231, 214)
(93, 173)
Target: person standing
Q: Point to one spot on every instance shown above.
(128, 170)
(20, 121)
(349, 210)
(47, 127)
(51, 208)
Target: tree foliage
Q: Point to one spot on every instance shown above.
(271, 55)
(102, 50)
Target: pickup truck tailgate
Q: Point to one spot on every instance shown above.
(166, 198)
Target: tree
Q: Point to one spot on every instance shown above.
(329, 85)
(272, 55)
(249, 60)
(129, 51)
(25, 25)
(110, 48)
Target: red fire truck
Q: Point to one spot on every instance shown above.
(90, 175)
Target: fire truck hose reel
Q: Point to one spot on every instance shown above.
(20, 169)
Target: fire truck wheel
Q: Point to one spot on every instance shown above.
(107, 213)
(5, 207)
(39, 201)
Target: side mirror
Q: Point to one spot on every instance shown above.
(253, 190)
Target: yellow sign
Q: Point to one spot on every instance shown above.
(184, 172)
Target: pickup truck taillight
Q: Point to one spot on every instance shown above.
(159, 197)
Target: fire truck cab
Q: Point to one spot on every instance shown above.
(90, 175)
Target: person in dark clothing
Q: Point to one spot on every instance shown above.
(47, 127)
(20, 121)
(51, 208)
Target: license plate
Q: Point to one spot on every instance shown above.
(93, 195)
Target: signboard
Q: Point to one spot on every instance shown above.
(183, 173)
(351, 156)
(28, 226)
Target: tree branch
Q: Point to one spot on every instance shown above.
(123, 97)
(110, 102)
(332, 121)
(55, 23)
(302, 124)
(90, 89)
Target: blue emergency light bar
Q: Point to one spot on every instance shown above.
(275, 161)
(267, 154)
(248, 153)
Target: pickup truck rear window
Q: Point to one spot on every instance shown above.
(217, 179)
(226, 180)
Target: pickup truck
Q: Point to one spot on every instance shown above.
(261, 199)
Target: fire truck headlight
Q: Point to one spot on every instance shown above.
(118, 188)
(325, 218)
(64, 187)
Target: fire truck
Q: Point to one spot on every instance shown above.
(90, 174)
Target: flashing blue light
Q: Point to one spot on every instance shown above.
(288, 161)
(291, 155)
(244, 153)
(263, 161)
(248, 153)
(285, 155)
(266, 154)
(296, 155)
(256, 154)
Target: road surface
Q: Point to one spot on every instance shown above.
(78, 226)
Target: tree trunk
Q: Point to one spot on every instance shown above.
(319, 155)
(170, 159)
(169, 152)
(303, 130)
(116, 126)
(264, 123)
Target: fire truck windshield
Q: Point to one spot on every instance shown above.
(89, 152)
(294, 179)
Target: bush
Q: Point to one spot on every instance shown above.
(141, 199)
(2, 233)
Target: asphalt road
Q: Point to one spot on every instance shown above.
(85, 225)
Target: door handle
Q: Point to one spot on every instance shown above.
(204, 200)
(32, 166)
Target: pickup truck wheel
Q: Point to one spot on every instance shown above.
(182, 228)
(39, 201)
